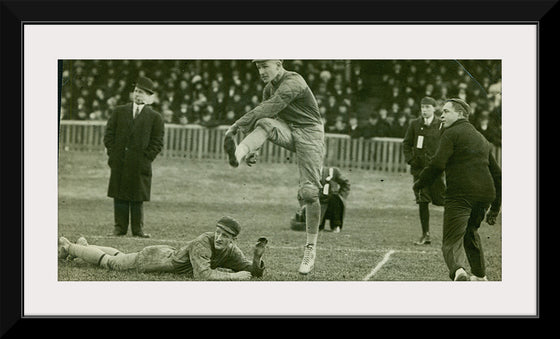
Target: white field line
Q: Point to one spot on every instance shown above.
(320, 248)
(379, 265)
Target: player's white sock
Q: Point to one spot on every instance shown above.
(109, 250)
(241, 152)
(251, 143)
(89, 254)
(312, 218)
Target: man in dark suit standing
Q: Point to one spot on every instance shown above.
(474, 186)
(133, 138)
(419, 145)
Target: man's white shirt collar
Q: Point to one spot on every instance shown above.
(429, 121)
(134, 105)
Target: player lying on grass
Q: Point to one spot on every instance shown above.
(210, 256)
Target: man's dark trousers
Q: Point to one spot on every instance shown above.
(333, 213)
(461, 220)
(124, 208)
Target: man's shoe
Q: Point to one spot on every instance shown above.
(475, 278)
(461, 275)
(229, 147)
(308, 261)
(337, 229)
(63, 245)
(142, 235)
(424, 240)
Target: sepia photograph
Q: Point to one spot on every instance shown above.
(318, 157)
(261, 161)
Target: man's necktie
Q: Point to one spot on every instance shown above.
(136, 112)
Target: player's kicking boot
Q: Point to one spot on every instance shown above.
(308, 261)
(229, 147)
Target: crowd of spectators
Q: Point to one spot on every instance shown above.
(404, 83)
(361, 98)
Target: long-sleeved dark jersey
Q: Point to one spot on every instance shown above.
(200, 258)
(289, 98)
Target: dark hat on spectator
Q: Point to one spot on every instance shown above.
(461, 103)
(428, 101)
(229, 225)
(146, 84)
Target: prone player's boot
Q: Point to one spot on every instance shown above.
(82, 242)
(229, 148)
(63, 245)
(308, 261)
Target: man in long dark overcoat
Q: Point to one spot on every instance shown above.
(133, 138)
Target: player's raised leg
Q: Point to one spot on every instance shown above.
(251, 143)
(274, 130)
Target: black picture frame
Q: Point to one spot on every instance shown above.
(16, 14)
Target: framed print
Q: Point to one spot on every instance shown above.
(282, 168)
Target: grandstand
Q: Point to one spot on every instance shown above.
(203, 92)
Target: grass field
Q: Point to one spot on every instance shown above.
(189, 196)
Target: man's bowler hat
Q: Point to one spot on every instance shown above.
(146, 84)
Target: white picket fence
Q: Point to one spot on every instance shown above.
(197, 142)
